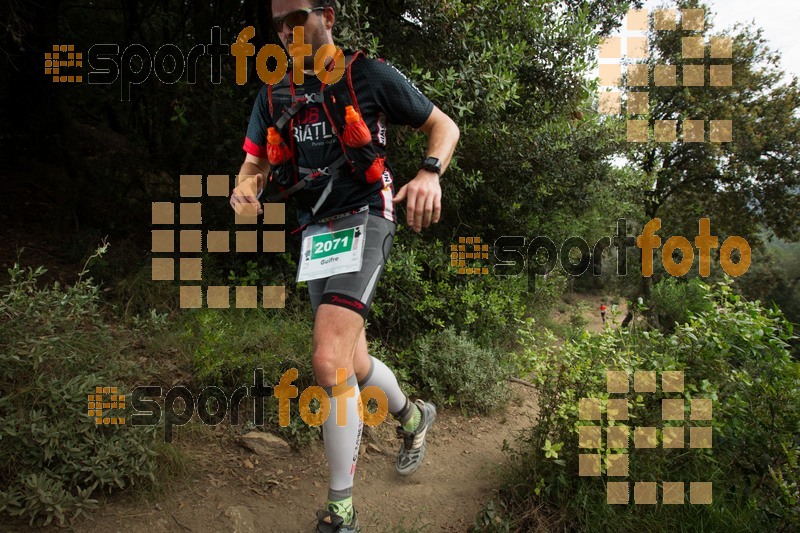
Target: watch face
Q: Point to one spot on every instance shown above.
(433, 164)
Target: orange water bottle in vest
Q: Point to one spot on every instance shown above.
(277, 151)
(375, 170)
(356, 133)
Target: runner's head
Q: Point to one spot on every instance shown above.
(317, 18)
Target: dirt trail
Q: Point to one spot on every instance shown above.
(590, 310)
(595, 324)
(458, 479)
(233, 489)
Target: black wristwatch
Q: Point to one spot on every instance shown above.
(431, 164)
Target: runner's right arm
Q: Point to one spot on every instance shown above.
(244, 198)
(252, 179)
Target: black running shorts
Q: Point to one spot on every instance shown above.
(355, 290)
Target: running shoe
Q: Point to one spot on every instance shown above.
(412, 451)
(328, 522)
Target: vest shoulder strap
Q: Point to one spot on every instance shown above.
(282, 117)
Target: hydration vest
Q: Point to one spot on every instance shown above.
(363, 149)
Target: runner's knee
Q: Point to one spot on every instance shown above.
(336, 331)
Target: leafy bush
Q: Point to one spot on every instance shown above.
(774, 277)
(675, 300)
(577, 319)
(55, 350)
(227, 345)
(420, 291)
(456, 371)
(737, 356)
(787, 478)
(401, 363)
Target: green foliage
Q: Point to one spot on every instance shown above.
(743, 185)
(491, 520)
(674, 300)
(400, 362)
(420, 291)
(525, 149)
(786, 477)
(736, 355)
(352, 30)
(278, 269)
(455, 371)
(577, 319)
(137, 294)
(774, 277)
(56, 348)
(226, 346)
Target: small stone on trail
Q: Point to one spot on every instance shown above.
(242, 519)
(264, 443)
(247, 464)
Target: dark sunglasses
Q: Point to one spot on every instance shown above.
(295, 18)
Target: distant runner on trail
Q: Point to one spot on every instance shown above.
(325, 146)
(603, 312)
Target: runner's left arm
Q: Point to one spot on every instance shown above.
(424, 193)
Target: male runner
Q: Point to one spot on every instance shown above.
(341, 302)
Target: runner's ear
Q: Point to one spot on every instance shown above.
(329, 15)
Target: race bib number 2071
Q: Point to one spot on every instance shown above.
(329, 253)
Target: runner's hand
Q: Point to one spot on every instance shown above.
(243, 198)
(424, 195)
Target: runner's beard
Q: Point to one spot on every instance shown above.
(308, 61)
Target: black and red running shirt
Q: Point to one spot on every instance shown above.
(384, 94)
